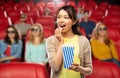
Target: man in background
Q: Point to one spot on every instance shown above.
(23, 26)
(87, 24)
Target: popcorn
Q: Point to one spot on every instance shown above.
(68, 55)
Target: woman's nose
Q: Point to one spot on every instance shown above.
(61, 20)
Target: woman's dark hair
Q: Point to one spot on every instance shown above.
(16, 38)
(73, 15)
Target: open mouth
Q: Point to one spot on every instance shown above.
(62, 26)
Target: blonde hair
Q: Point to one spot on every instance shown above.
(95, 34)
(41, 35)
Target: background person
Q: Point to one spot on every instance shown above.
(103, 48)
(87, 24)
(11, 46)
(35, 46)
(22, 26)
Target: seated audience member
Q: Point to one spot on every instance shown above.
(80, 13)
(102, 47)
(47, 12)
(11, 46)
(87, 24)
(22, 26)
(36, 46)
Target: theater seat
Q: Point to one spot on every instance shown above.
(23, 70)
(104, 70)
(46, 22)
(82, 30)
(113, 34)
(2, 34)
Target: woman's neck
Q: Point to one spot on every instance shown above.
(68, 34)
(101, 39)
(12, 40)
(36, 41)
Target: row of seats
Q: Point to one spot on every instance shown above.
(101, 12)
(33, 10)
(29, 70)
(31, 6)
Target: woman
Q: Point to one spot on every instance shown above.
(11, 46)
(35, 47)
(68, 32)
(102, 47)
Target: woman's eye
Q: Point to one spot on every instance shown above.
(66, 17)
(58, 17)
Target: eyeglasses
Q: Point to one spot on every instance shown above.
(100, 29)
(35, 29)
(12, 32)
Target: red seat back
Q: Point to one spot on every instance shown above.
(104, 70)
(46, 22)
(23, 70)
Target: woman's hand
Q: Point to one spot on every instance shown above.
(43, 64)
(58, 34)
(78, 68)
(75, 67)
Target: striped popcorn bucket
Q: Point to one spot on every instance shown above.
(68, 54)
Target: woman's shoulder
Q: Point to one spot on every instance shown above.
(28, 43)
(83, 38)
(93, 40)
(19, 41)
(111, 41)
(51, 38)
(2, 41)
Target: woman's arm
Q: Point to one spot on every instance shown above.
(27, 53)
(45, 58)
(81, 69)
(87, 69)
(54, 54)
(18, 50)
(114, 51)
(7, 58)
(11, 57)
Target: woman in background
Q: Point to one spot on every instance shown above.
(35, 46)
(102, 47)
(11, 46)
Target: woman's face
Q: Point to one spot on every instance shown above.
(64, 21)
(102, 30)
(11, 33)
(35, 31)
